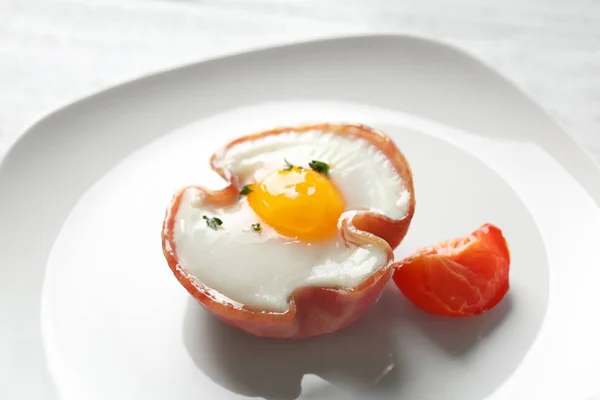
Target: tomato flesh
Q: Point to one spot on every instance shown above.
(459, 277)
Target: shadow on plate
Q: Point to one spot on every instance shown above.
(359, 359)
(456, 336)
(460, 336)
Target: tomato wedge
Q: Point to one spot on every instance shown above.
(459, 277)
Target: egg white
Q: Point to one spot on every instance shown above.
(262, 269)
(362, 173)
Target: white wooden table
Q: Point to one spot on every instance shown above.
(55, 51)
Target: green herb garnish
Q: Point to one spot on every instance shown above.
(320, 167)
(288, 165)
(245, 191)
(256, 227)
(213, 223)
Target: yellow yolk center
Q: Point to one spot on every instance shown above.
(298, 203)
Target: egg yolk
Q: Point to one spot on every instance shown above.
(298, 203)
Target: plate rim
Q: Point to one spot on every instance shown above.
(348, 36)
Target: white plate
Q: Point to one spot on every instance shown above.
(84, 192)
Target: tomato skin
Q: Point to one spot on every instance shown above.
(459, 277)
